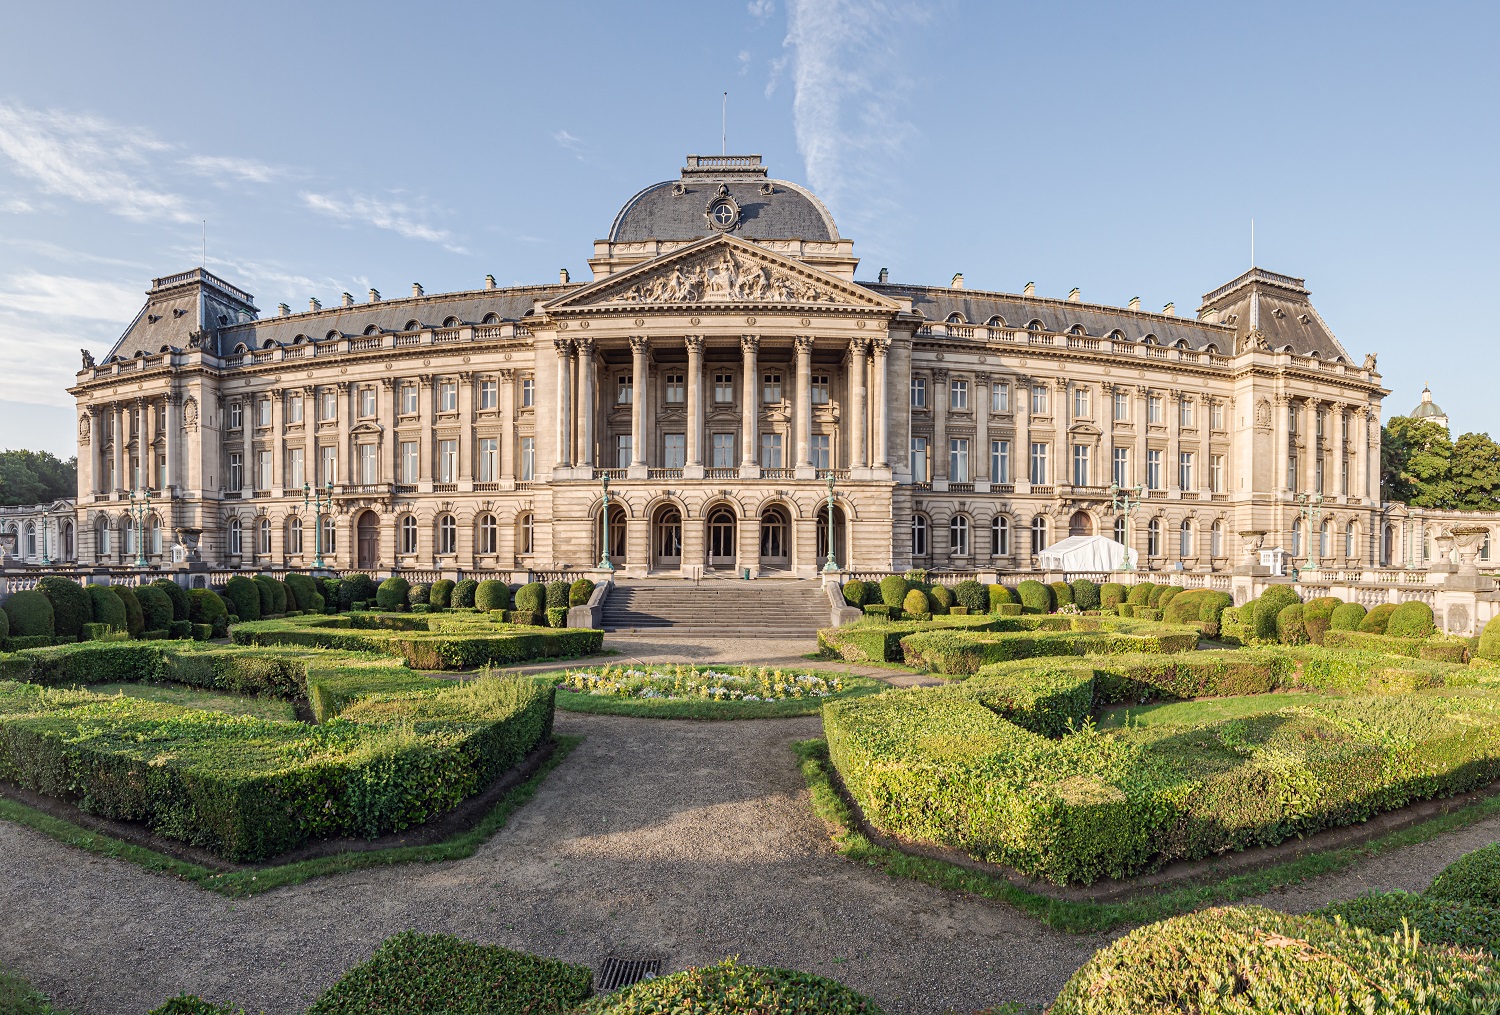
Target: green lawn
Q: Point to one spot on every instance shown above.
(197, 697)
(1207, 710)
(703, 708)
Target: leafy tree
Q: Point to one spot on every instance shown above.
(1475, 473)
(31, 477)
(1422, 466)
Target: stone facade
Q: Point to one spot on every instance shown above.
(721, 366)
(34, 534)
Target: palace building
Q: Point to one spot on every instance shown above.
(722, 365)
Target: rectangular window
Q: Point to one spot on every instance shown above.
(1216, 415)
(822, 454)
(1291, 473)
(958, 459)
(1185, 470)
(1344, 476)
(622, 451)
(1039, 464)
(489, 393)
(1318, 415)
(723, 451)
(263, 470)
(448, 396)
(295, 476)
(528, 459)
(919, 470)
(771, 389)
(1122, 406)
(489, 459)
(235, 479)
(408, 399)
(1000, 397)
(366, 403)
(919, 392)
(724, 389)
(999, 461)
(369, 465)
(1080, 403)
(294, 409)
(676, 388)
(1153, 409)
(330, 466)
(958, 393)
(1153, 469)
(330, 404)
(1184, 413)
(674, 450)
(236, 415)
(528, 392)
(1039, 399)
(409, 461)
(1291, 419)
(770, 451)
(1216, 473)
(447, 461)
(1318, 474)
(624, 389)
(1121, 477)
(1080, 465)
(262, 413)
(820, 389)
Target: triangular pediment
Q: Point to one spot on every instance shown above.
(722, 271)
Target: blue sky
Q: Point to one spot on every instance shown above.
(1121, 148)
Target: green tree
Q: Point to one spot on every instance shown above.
(31, 477)
(1475, 473)
(1415, 460)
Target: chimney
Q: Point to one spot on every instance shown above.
(282, 310)
(1170, 310)
(1134, 304)
(489, 281)
(562, 275)
(416, 288)
(1029, 289)
(374, 295)
(958, 281)
(1074, 296)
(348, 299)
(314, 305)
(885, 275)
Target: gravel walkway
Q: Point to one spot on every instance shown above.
(682, 840)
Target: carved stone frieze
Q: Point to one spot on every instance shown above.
(724, 276)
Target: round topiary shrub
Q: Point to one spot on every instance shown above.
(1317, 615)
(971, 596)
(1035, 597)
(1269, 606)
(580, 592)
(1212, 610)
(1376, 620)
(1489, 641)
(1183, 608)
(492, 595)
(181, 607)
(392, 594)
(1086, 594)
(418, 594)
(70, 605)
(206, 607)
(300, 590)
(1473, 877)
(107, 608)
(357, 588)
(893, 590)
(1290, 629)
(854, 592)
(1411, 620)
(1062, 593)
(463, 594)
(557, 595)
(135, 619)
(1140, 594)
(30, 615)
(333, 590)
(1001, 595)
(440, 596)
(916, 604)
(1111, 595)
(156, 608)
(1346, 617)
(732, 989)
(941, 599)
(532, 597)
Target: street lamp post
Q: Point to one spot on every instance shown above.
(604, 564)
(46, 556)
(831, 565)
(1122, 502)
(140, 508)
(1309, 509)
(320, 500)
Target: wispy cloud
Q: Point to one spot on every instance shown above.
(397, 216)
(762, 10)
(16, 206)
(233, 168)
(567, 140)
(89, 160)
(66, 296)
(744, 59)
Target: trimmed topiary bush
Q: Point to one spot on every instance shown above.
(181, 607)
(1269, 606)
(1035, 597)
(1290, 629)
(916, 604)
(1086, 595)
(1000, 596)
(557, 595)
(1154, 599)
(440, 596)
(854, 592)
(971, 596)
(71, 608)
(192, 1004)
(893, 590)
(207, 608)
(732, 989)
(1062, 593)
(1473, 877)
(1347, 617)
(30, 615)
(463, 594)
(1140, 594)
(300, 590)
(492, 595)
(1317, 615)
(156, 608)
(391, 594)
(580, 592)
(135, 620)
(264, 590)
(531, 598)
(356, 588)
(1411, 620)
(557, 616)
(419, 594)
(1165, 597)
(1376, 620)
(1111, 595)
(107, 607)
(940, 600)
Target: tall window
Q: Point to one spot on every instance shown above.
(624, 389)
(1185, 470)
(448, 396)
(489, 534)
(958, 536)
(1185, 540)
(1318, 474)
(920, 472)
(674, 450)
(1153, 409)
(408, 530)
(958, 393)
(447, 535)
(723, 451)
(294, 409)
(262, 412)
(263, 531)
(528, 392)
(1121, 474)
(820, 389)
(1351, 544)
(366, 403)
(1122, 406)
(369, 464)
(1080, 465)
(1153, 469)
(295, 473)
(489, 459)
(1039, 399)
(330, 408)
(1291, 472)
(1038, 464)
(1184, 413)
(1080, 402)
(1038, 534)
(723, 388)
(622, 451)
(408, 399)
(770, 391)
(918, 535)
(408, 461)
(236, 480)
(528, 459)
(1000, 396)
(1297, 538)
(1153, 538)
(999, 536)
(770, 451)
(236, 415)
(527, 540)
(294, 535)
(263, 470)
(1000, 461)
(822, 454)
(489, 393)
(236, 538)
(919, 392)
(1216, 473)
(1216, 415)
(330, 529)
(676, 385)
(958, 459)
(1216, 539)
(1323, 538)
(1120, 530)
(447, 461)
(328, 470)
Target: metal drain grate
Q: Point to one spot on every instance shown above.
(617, 973)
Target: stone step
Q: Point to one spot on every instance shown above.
(750, 609)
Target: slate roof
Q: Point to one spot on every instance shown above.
(1280, 306)
(677, 209)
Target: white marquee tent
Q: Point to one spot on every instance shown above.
(1084, 553)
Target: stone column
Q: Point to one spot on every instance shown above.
(802, 425)
(1361, 452)
(587, 372)
(750, 408)
(1106, 415)
(1143, 408)
(980, 458)
(424, 431)
(507, 451)
(1282, 436)
(465, 474)
(858, 424)
(639, 347)
(882, 456)
(1174, 443)
(938, 453)
(117, 429)
(564, 349)
(1020, 457)
(172, 427)
(343, 462)
(694, 462)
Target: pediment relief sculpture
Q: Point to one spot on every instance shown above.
(725, 276)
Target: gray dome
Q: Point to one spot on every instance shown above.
(767, 209)
(1427, 408)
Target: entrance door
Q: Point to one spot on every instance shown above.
(667, 539)
(369, 539)
(1080, 524)
(721, 539)
(775, 539)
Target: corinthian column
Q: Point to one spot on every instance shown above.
(882, 410)
(564, 349)
(639, 347)
(750, 405)
(586, 373)
(803, 422)
(858, 421)
(693, 468)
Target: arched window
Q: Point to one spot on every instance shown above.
(489, 534)
(1387, 545)
(373, 329)
(918, 535)
(996, 321)
(1036, 326)
(294, 535)
(1153, 538)
(329, 530)
(155, 534)
(958, 535)
(29, 550)
(955, 318)
(102, 534)
(1185, 540)
(1351, 544)
(451, 322)
(528, 534)
(1038, 534)
(263, 547)
(408, 534)
(447, 535)
(491, 319)
(1297, 538)
(236, 537)
(1216, 540)
(1000, 536)
(413, 326)
(1078, 329)
(1323, 533)
(1120, 530)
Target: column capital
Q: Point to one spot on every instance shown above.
(804, 344)
(564, 347)
(939, 374)
(880, 345)
(343, 386)
(466, 376)
(640, 345)
(1143, 390)
(1282, 397)
(388, 382)
(585, 346)
(506, 374)
(982, 377)
(694, 343)
(1062, 383)
(859, 345)
(749, 343)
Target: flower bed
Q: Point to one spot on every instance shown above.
(682, 683)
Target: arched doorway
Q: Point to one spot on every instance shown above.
(1080, 524)
(775, 539)
(666, 538)
(368, 539)
(840, 540)
(722, 551)
(616, 535)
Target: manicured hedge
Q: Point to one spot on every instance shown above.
(302, 590)
(531, 597)
(1473, 877)
(881, 641)
(205, 606)
(1268, 608)
(492, 595)
(135, 617)
(181, 604)
(354, 588)
(893, 590)
(1440, 921)
(425, 649)
(1035, 597)
(71, 606)
(1085, 595)
(463, 594)
(854, 592)
(272, 595)
(1140, 594)
(1111, 595)
(1376, 620)
(1289, 627)
(441, 593)
(189, 1004)
(1347, 617)
(156, 608)
(1411, 620)
(30, 615)
(1444, 650)
(971, 596)
(243, 597)
(939, 600)
(106, 607)
(916, 603)
(958, 652)
(1000, 595)
(1489, 640)
(556, 595)
(733, 989)
(392, 594)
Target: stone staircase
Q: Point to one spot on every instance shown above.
(719, 608)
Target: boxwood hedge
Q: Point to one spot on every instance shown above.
(30, 615)
(156, 607)
(958, 652)
(730, 988)
(243, 597)
(71, 607)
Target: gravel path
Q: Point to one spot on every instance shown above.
(683, 840)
